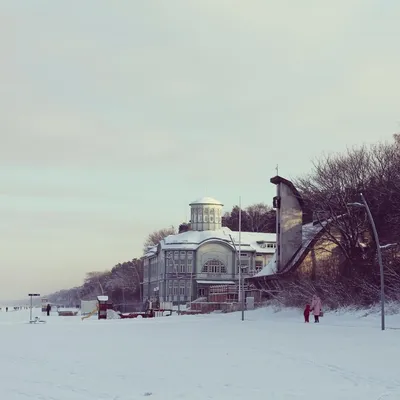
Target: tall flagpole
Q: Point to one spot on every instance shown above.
(241, 292)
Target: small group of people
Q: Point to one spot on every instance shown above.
(315, 307)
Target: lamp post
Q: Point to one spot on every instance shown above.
(364, 205)
(240, 296)
(32, 295)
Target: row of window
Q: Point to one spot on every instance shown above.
(210, 267)
(181, 268)
(181, 289)
(206, 218)
(180, 255)
(214, 267)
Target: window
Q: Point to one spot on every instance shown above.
(190, 255)
(202, 292)
(169, 254)
(175, 289)
(211, 218)
(182, 268)
(214, 267)
(183, 255)
(189, 268)
(182, 289)
(206, 218)
(176, 255)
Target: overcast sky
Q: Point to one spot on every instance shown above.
(115, 115)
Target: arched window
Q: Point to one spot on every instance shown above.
(214, 267)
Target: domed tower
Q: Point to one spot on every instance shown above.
(206, 214)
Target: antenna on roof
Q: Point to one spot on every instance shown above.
(277, 169)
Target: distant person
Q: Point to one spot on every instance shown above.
(6, 309)
(307, 312)
(48, 309)
(146, 305)
(316, 308)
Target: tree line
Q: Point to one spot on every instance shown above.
(121, 283)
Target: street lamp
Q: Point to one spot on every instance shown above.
(364, 205)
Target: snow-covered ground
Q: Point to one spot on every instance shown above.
(268, 356)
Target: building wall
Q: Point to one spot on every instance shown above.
(215, 251)
(175, 272)
(206, 217)
(290, 218)
(179, 272)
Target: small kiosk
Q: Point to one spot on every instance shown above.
(104, 305)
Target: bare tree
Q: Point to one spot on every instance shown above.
(261, 218)
(255, 218)
(337, 180)
(97, 280)
(155, 237)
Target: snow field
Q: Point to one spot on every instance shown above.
(268, 356)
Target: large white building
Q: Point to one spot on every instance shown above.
(183, 266)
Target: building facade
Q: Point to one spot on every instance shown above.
(184, 266)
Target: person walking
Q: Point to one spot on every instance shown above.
(306, 313)
(316, 306)
(48, 309)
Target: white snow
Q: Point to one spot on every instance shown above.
(191, 240)
(207, 200)
(268, 356)
(269, 269)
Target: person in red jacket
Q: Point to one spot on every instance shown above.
(307, 312)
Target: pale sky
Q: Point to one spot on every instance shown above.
(115, 115)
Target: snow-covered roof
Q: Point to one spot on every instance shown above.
(250, 241)
(206, 200)
(102, 298)
(150, 251)
(269, 269)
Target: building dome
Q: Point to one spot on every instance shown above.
(206, 200)
(206, 214)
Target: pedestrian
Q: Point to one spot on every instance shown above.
(48, 309)
(316, 308)
(307, 312)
